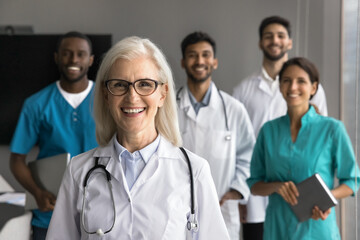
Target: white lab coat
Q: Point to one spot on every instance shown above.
(205, 134)
(264, 105)
(157, 206)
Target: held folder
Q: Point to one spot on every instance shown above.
(47, 174)
(312, 192)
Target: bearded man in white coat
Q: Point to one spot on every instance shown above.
(263, 101)
(215, 126)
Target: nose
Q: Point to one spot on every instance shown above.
(275, 39)
(73, 58)
(199, 59)
(131, 91)
(293, 85)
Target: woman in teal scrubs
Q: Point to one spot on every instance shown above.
(292, 148)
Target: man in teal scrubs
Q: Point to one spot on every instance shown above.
(58, 119)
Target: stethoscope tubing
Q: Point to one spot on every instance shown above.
(108, 178)
(192, 224)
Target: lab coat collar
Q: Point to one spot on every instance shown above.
(263, 85)
(184, 103)
(113, 164)
(107, 156)
(214, 98)
(165, 150)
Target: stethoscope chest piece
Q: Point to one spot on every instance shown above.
(192, 224)
(228, 137)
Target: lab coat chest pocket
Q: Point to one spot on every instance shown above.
(219, 150)
(98, 207)
(222, 144)
(178, 208)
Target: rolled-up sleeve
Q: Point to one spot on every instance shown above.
(347, 168)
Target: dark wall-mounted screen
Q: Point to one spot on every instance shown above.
(26, 66)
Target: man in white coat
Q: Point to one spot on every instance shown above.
(215, 126)
(263, 101)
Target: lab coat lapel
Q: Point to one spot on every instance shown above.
(153, 165)
(215, 105)
(108, 157)
(185, 104)
(263, 86)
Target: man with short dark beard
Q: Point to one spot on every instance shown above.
(262, 99)
(58, 119)
(216, 127)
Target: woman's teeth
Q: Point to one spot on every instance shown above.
(133, 110)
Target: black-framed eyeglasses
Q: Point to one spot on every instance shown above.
(143, 87)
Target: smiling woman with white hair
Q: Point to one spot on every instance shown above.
(138, 184)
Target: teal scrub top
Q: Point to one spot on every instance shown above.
(322, 146)
(49, 121)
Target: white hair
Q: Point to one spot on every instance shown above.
(166, 119)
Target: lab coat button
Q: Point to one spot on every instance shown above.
(129, 199)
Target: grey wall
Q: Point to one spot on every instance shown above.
(232, 23)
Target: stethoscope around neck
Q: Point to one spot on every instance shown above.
(192, 224)
(99, 231)
(227, 137)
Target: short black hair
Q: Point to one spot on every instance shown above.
(196, 37)
(274, 19)
(73, 34)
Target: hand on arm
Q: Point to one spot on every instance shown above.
(44, 199)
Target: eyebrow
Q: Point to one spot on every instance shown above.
(270, 33)
(71, 50)
(193, 51)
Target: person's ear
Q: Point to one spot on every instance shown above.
(290, 44)
(164, 92)
(91, 61)
(314, 88)
(216, 63)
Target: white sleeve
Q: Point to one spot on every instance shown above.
(238, 93)
(245, 141)
(319, 99)
(65, 220)
(208, 213)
